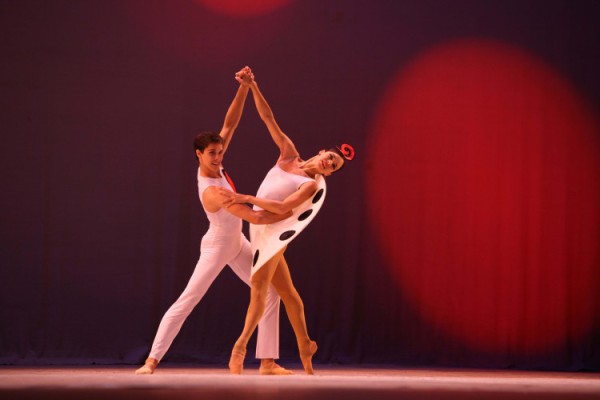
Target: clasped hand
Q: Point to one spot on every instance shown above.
(245, 76)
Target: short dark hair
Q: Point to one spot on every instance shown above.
(203, 139)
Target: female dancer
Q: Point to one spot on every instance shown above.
(223, 243)
(287, 185)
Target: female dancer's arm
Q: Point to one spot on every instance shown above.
(286, 146)
(214, 198)
(234, 113)
(256, 217)
(275, 206)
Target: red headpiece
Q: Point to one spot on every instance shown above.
(347, 151)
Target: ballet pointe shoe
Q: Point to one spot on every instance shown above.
(306, 354)
(236, 362)
(272, 368)
(148, 367)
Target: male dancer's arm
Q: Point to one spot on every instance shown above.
(234, 113)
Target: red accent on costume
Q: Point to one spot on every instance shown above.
(229, 181)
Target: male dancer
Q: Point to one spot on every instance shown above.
(223, 243)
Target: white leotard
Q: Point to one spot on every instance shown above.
(222, 223)
(279, 184)
(267, 240)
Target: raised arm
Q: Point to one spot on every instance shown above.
(234, 113)
(277, 207)
(286, 146)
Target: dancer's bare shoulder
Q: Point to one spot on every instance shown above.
(214, 197)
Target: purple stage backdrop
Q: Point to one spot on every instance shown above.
(466, 232)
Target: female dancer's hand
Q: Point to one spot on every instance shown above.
(244, 76)
(231, 198)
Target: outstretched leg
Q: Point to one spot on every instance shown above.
(282, 281)
(210, 264)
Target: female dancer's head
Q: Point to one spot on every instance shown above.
(332, 160)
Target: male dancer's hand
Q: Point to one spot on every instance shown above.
(244, 76)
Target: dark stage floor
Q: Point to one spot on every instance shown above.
(172, 382)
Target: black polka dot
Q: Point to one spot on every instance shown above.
(286, 235)
(317, 196)
(305, 215)
(255, 258)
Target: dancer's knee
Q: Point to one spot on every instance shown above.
(272, 296)
(260, 283)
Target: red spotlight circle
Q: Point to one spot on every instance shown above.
(483, 186)
(243, 8)
(189, 32)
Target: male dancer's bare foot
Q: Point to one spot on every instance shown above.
(236, 362)
(270, 367)
(148, 368)
(307, 351)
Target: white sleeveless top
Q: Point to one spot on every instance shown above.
(279, 184)
(221, 222)
(268, 240)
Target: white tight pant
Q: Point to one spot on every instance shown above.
(215, 253)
